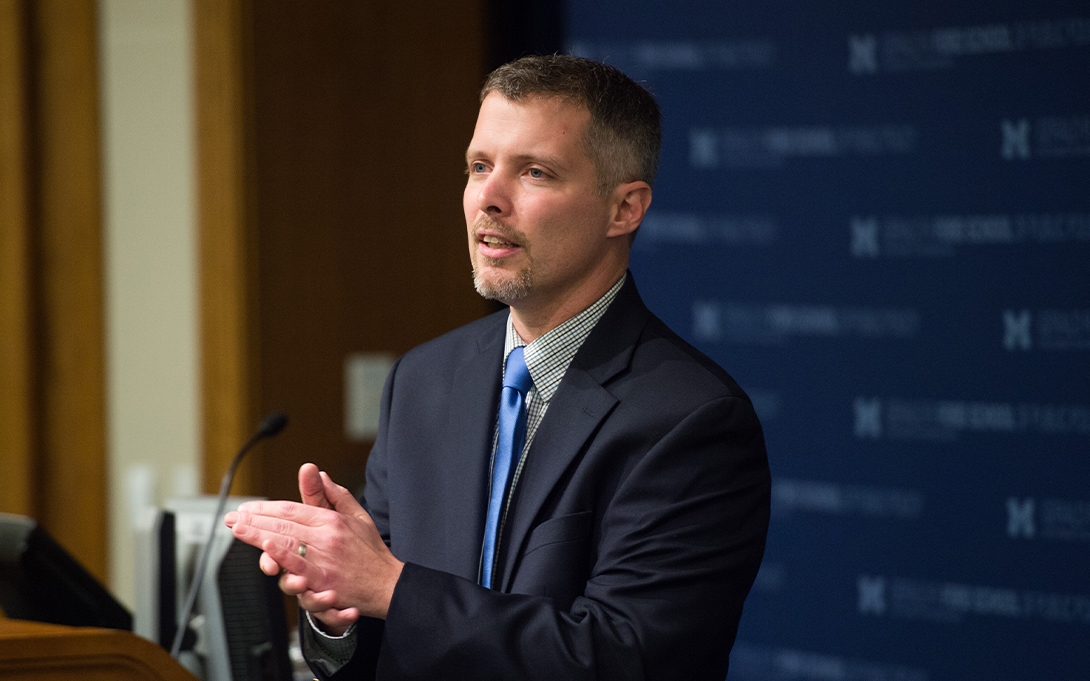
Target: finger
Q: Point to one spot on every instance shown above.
(317, 601)
(268, 565)
(282, 550)
(285, 551)
(293, 584)
(343, 500)
(336, 622)
(288, 510)
(311, 490)
(230, 519)
(275, 525)
(250, 535)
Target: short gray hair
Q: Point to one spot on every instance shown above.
(625, 131)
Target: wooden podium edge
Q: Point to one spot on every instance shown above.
(34, 649)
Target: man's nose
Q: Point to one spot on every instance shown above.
(494, 195)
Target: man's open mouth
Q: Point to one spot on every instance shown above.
(497, 242)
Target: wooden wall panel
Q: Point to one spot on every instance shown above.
(52, 395)
(362, 115)
(17, 395)
(72, 372)
(227, 247)
(331, 185)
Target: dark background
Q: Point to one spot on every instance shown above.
(877, 217)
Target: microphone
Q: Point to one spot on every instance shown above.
(270, 426)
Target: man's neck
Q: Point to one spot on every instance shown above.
(531, 321)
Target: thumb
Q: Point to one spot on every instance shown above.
(311, 487)
(342, 500)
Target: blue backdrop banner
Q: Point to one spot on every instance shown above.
(876, 216)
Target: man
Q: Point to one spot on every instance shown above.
(564, 490)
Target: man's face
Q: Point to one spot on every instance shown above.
(537, 226)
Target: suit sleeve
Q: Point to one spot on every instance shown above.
(677, 551)
(369, 631)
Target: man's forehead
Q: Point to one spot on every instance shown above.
(536, 120)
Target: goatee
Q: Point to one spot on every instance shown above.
(506, 287)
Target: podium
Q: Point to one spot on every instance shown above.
(32, 651)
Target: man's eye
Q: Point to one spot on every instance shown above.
(536, 173)
(478, 168)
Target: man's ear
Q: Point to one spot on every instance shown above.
(629, 202)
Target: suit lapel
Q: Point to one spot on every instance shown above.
(473, 402)
(576, 411)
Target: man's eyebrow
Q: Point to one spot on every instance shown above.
(549, 161)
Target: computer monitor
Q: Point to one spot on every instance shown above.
(40, 581)
(239, 630)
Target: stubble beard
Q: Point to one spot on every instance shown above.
(506, 287)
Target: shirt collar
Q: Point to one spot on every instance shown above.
(548, 356)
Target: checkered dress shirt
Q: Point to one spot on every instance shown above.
(547, 358)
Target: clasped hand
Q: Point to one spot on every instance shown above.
(347, 570)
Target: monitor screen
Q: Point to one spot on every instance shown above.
(40, 581)
(238, 630)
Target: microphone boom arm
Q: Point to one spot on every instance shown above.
(270, 426)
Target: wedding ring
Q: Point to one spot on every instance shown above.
(302, 550)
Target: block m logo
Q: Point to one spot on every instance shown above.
(706, 320)
(865, 237)
(1020, 521)
(862, 54)
(703, 149)
(872, 595)
(1017, 330)
(868, 418)
(1015, 139)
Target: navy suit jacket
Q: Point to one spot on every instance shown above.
(634, 534)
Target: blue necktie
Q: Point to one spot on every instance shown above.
(512, 433)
